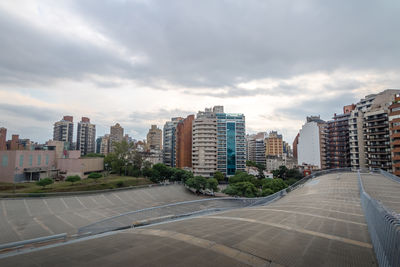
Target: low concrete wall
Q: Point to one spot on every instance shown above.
(80, 166)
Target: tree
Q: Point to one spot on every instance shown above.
(73, 179)
(197, 182)
(44, 182)
(274, 184)
(212, 184)
(155, 176)
(243, 189)
(163, 170)
(219, 176)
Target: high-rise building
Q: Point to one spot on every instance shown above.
(86, 136)
(154, 138)
(295, 143)
(64, 130)
(104, 144)
(337, 144)
(369, 132)
(116, 135)
(310, 147)
(184, 143)
(274, 144)
(3, 140)
(394, 132)
(169, 141)
(256, 149)
(204, 144)
(231, 141)
(356, 132)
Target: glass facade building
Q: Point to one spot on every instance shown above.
(169, 141)
(231, 143)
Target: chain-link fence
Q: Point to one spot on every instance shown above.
(188, 208)
(384, 228)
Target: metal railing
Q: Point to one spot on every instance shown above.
(383, 226)
(21, 244)
(390, 175)
(188, 208)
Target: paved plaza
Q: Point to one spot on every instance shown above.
(29, 218)
(319, 224)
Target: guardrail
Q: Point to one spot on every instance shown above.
(21, 244)
(384, 228)
(189, 208)
(390, 175)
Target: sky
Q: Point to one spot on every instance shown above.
(142, 62)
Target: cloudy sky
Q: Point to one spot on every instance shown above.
(142, 62)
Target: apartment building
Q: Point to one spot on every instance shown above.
(154, 138)
(64, 131)
(86, 136)
(394, 134)
(295, 143)
(337, 146)
(169, 141)
(274, 144)
(204, 143)
(311, 143)
(231, 141)
(356, 132)
(116, 135)
(184, 143)
(256, 148)
(3, 138)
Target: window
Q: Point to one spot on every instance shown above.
(30, 160)
(21, 160)
(4, 161)
(39, 159)
(47, 159)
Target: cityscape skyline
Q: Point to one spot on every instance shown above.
(269, 61)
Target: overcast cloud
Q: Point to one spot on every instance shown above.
(141, 62)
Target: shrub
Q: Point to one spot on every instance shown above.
(120, 184)
(266, 192)
(95, 175)
(73, 179)
(44, 182)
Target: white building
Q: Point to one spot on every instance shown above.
(309, 149)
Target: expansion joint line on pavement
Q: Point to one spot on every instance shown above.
(244, 257)
(299, 230)
(310, 214)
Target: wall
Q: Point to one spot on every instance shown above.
(80, 166)
(14, 171)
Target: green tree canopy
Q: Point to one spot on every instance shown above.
(219, 176)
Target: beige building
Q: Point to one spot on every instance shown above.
(274, 144)
(86, 137)
(53, 162)
(64, 131)
(116, 135)
(369, 131)
(204, 143)
(154, 138)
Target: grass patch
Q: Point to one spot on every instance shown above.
(110, 182)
